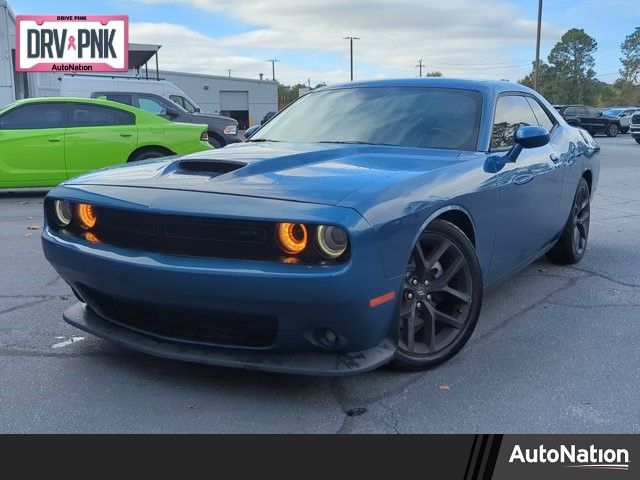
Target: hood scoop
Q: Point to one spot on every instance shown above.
(209, 168)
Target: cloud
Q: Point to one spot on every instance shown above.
(479, 38)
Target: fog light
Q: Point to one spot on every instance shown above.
(204, 137)
(292, 237)
(62, 211)
(326, 337)
(86, 215)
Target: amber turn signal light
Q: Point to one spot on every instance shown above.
(86, 215)
(292, 237)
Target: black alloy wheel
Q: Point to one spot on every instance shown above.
(441, 297)
(612, 130)
(572, 244)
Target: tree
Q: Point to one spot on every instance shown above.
(433, 74)
(573, 62)
(631, 58)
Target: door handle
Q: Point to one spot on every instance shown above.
(555, 158)
(125, 134)
(55, 139)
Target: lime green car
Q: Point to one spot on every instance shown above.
(45, 141)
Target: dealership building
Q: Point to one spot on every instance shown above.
(247, 100)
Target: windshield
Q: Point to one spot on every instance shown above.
(400, 116)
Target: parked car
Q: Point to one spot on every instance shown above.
(634, 127)
(623, 114)
(590, 118)
(220, 129)
(45, 141)
(360, 226)
(83, 85)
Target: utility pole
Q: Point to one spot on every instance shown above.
(229, 70)
(537, 66)
(351, 39)
(273, 68)
(420, 66)
(309, 83)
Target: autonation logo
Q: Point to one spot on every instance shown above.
(573, 457)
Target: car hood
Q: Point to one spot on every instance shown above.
(313, 173)
(212, 118)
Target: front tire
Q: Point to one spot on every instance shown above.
(573, 241)
(612, 130)
(441, 298)
(147, 154)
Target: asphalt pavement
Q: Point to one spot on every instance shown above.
(557, 349)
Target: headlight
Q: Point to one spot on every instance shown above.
(231, 130)
(86, 215)
(292, 237)
(62, 211)
(332, 241)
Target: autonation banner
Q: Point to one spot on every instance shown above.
(72, 43)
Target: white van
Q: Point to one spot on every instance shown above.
(84, 85)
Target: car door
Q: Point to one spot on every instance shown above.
(597, 122)
(32, 145)
(530, 188)
(98, 136)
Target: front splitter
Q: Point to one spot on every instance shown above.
(301, 363)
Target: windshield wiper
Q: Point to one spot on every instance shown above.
(262, 140)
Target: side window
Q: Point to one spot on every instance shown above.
(177, 99)
(86, 115)
(582, 110)
(34, 116)
(593, 112)
(544, 119)
(571, 111)
(119, 97)
(512, 112)
(188, 106)
(151, 105)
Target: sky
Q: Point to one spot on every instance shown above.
(461, 38)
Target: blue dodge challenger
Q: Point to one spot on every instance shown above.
(358, 227)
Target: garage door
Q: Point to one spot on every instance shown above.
(234, 100)
(236, 105)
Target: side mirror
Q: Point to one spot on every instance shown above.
(249, 132)
(171, 112)
(527, 137)
(197, 110)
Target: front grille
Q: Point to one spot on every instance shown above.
(185, 324)
(635, 118)
(188, 236)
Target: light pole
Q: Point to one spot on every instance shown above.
(351, 39)
(273, 68)
(537, 67)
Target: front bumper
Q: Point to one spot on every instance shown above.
(302, 298)
(301, 363)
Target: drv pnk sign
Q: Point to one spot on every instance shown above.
(72, 43)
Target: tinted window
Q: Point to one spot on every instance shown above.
(593, 112)
(37, 115)
(544, 119)
(188, 106)
(402, 116)
(512, 112)
(582, 110)
(570, 111)
(118, 97)
(152, 105)
(85, 115)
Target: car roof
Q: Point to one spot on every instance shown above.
(495, 86)
(95, 101)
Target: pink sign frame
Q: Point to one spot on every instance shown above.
(96, 66)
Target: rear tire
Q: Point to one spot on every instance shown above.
(612, 130)
(572, 244)
(147, 154)
(440, 300)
